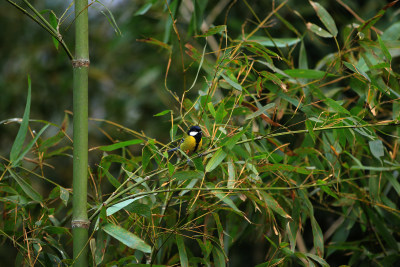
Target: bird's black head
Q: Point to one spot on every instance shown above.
(194, 131)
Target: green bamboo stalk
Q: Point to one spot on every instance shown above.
(80, 222)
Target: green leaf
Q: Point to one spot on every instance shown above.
(182, 251)
(384, 49)
(111, 178)
(216, 159)
(318, 236)
(307, 74)
(303, 63)
(64, 195)
(234, 84)
(373, 168)
(274, 205)
(29, 146)
(26, 187)
(23, 129)
(273, 78)
(326, 189)
(382, 229)
(54, 23)
(225, 198)
(173, 6)
(221, 113)
(52, 141)
(392, 33)
(336, 106)
(230, 141)
(318, 30)
(213, 30)
(126, 237)
(101, 243)
(211, 109)
(319, 260)
(260, 111)
(275, 42)
(310, 129)
(146, 156)
(326, 19)
(218, 256)
(376, 147)
(163, 113)
(357, 70)
(188, 175)
(119, 206)
(140, 209)
(143, 10)
(121, 145)
(285, 167)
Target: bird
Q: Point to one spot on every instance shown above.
(191, 142)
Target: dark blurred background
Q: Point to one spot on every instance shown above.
(126, 78)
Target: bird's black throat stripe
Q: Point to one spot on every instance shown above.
(198, 139)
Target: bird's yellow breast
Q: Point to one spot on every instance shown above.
(190, 145)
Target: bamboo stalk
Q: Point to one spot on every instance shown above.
(80, 222)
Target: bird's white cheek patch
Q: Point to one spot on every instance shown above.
(192, 133)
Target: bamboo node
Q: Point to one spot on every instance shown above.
(78, 63)
(80, 224)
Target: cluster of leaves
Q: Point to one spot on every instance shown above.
(298, 163)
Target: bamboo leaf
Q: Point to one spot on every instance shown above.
(326, 19)
(274, 205)
(336, 106)
(219, 258)
(188, 175)
(318, 30)
(23, 129)
(376, 147)
(234, 84)
(310, 129)
(163, 113)
(260, 111)
(382, 230)
(126, 237)
(213, 30)
(54, 23)
(303, 63)
(326, 189)
(275, 42)
(121, 145)
(285, 167)
(143, 9)
(121, 205)
(26, 187)
(29, 146)
(307, 74)
(64, 195)
(318, 236)
(216, 159)
(182, 251)
(384, 49)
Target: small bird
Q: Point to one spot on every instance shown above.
(191, 142)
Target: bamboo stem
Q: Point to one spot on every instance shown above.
(80, 222)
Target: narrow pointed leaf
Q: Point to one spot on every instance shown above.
(26, 187)
(126, 237)
(274, 205)
(326, 19)
(23, 129)
(216, 159)
(182, 251)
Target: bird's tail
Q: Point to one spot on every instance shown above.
(172, 150)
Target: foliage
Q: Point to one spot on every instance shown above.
(299, 166)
